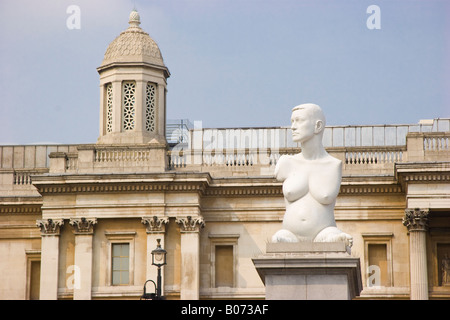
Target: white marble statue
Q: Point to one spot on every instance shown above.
(311, 182)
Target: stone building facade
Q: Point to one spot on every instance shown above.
(80, 221)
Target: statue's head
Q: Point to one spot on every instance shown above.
(307, 121)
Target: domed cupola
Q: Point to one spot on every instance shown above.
(133, 45)
(133, 85)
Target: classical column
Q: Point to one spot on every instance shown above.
(416, 220)
(190, 256)
(83, 229)
(156, 229)
(50, 230)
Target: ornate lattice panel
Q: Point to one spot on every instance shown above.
(150, 105)
(129, 105)
(109, 107)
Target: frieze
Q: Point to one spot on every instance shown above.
(20, 209)
(349, 189)
(427, 177)
(121, 188)
(277, 191)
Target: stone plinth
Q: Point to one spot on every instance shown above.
(309, 271)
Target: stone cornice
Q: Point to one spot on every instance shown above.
(110, 183)
(202, 183)
(422, 172)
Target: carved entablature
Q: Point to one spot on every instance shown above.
(416, 219)
(155, 224)
(190, 224)
(83, 225)
(50, 227)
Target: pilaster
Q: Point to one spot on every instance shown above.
(156, 229)
(190, 256)
(117, 106)
(416, 221)
(160, 127)
(139, 106)
(50, 231)
(83, 229)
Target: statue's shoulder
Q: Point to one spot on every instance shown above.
(285, 158)
(332, 161)
(283, 167)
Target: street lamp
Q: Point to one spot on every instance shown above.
(158, 259)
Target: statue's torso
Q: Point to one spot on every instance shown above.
(310, 188)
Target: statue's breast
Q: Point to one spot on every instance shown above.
(295, 186)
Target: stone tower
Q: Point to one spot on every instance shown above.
(133, 85)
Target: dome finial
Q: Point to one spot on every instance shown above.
(135, 19)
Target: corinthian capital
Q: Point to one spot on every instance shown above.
(50, 227)
(83, 225)
(155, 224)
(189, 224)
(416, 219)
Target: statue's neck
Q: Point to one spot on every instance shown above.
(313, 149)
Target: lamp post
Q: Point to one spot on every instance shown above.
(159, 260)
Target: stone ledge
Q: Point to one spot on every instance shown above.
(305, 247)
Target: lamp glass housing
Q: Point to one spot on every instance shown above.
(159, 255)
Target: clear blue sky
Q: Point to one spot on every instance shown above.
(233, 63)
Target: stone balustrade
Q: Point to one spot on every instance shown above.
(362, 149)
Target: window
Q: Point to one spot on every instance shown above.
(120, 264)
(119, 258)
(150, 105)
(109, 107)
(129, 101)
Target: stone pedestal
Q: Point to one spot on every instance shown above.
(309, 271)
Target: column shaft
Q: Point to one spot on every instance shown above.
(50, 230)
(83, 262)
(418, 262)
(84, 231)
(49, 267)
(190, 256)
(190, 266)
